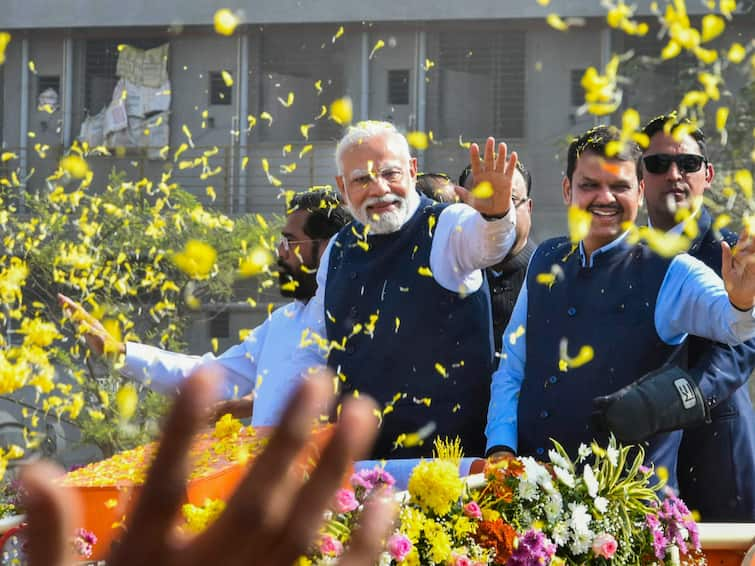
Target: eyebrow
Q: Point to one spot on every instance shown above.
(358, 173)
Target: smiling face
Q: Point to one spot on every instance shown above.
(607, 188)
(674, 188)
(377, 182)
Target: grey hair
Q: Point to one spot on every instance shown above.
(363, 131)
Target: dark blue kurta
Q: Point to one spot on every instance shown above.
(422, 332)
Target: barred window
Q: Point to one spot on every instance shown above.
(479, 86)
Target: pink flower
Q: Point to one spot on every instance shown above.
(346, 501)
(472, 510)
(399, 546)
(604, 545)
(461, 560)
(330, 546)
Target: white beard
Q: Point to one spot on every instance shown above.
(387, 222)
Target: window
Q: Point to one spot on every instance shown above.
(303, 60)
(398, 87)
(47, 82)
(479, 86)
(101, 63)
(220, 92)
(220, 324)
(577, 92)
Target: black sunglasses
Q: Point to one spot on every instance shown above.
(686, 162)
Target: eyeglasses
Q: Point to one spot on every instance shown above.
(287, 244)
(520, 202)
(686, 162)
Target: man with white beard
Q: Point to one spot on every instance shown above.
(406, 313)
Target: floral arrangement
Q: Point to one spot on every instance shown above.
(83, 543)
(600, 509)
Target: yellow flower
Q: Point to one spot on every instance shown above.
(198, 518)
(436, 486)
(225, 21)
(196, 260)
(439, 542)
(227, 427)
(412, 523)
(341, 111)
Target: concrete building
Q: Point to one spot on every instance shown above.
(462, 71)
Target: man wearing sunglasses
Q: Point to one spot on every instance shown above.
(263, 371)
(720, 452)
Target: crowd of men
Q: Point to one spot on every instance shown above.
(425, 295)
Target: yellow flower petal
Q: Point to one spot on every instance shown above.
(225, 21)
(712, 27)
(579, 224)
(418, 140)
(555, 21)
(379, 44)
(341, 111)
(737, 53)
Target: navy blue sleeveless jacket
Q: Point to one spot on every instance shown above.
(426, 343)
(609, 306)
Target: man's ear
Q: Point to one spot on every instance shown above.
(709, 174)
(413, 167)
(341, 186)
(566, 189)
(641, 189)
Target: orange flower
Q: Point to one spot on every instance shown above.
(498, 536)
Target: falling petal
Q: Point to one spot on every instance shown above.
(579, 224)
(225, 21)
(267, 117)
(483, 190)
(338, 34)
(417, 140)
(737, 53)
(341, 111)
(304, 129)
(227, 78)
(378, 45)
(555, 21)
(289, 100)
(4, 41)
(712, 27)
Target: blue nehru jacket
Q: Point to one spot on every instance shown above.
(428, 343)
(609, 306)
(716, 467)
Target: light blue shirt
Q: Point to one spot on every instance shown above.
(269, 363)
(691, 300)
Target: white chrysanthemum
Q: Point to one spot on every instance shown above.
(548, 487)
(384, 559)
(534, 471)
(580, 518)
(564, 476)
(581, 543)
(601, 504)
(553, 507)
(613, 455)
(583, 452)
(558, 460)
(590, 481)
(527, 489)
(560, 533)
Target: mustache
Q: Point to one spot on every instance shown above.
(382, 200)
(606, 208)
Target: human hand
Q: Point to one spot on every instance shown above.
(738, 271)
(98, 339)
(272, 517)
(237, 408)
(496, 170)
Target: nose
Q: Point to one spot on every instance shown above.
(673, 172)
(282, 249)
(604, 195)
(378, 187)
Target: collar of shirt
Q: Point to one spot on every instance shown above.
(608, 247)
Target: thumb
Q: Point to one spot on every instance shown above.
(464, 195)
(52, 513)
(726, 261)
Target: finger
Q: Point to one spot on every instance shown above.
(500, 163)
(165, 487)
(352, 440)
(367, 541)
(489, 158)
(474, 160)
(52, 512)
(726, 261)
(464, 195)
(262, 501)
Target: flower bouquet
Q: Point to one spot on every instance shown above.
(601, 508)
